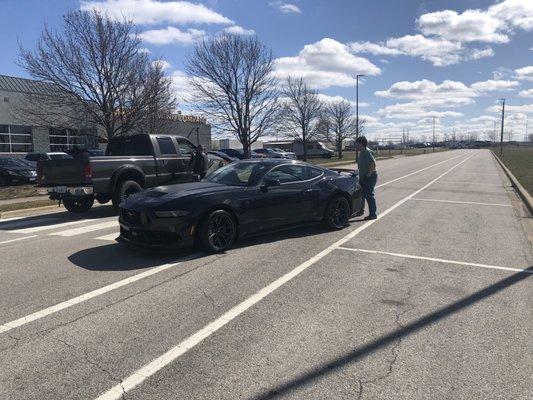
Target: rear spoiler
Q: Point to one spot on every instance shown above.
(352, 172)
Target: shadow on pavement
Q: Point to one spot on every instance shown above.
(357, 354)
(115, 257)
(60, 217)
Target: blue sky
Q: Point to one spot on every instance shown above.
(446, 59)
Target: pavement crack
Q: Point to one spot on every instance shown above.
(209, 298)
(394, 348)
(94, 364)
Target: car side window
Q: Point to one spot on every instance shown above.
(287, 173)
(313, 172)
(185, 147)
(166, 146)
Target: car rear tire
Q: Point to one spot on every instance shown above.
(218, 231)
(337, 213)
(78, 205)
(123, 191)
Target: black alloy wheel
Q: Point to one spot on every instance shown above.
(337, 213)
(218, 231)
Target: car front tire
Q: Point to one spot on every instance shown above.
(218, 231)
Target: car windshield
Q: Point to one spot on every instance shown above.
(238, 174)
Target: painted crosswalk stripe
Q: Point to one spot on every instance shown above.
(48, 227)
(110, 237)
(86, 229)
(17, 223)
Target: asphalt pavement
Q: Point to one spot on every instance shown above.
(430, 301)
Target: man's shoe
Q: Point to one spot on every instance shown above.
(370, 217)
(359, 213)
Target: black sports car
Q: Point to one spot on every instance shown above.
(14, 171)
(242, 198)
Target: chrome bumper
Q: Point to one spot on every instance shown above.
(68, 190)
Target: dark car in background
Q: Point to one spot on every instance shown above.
(240, 199)
(239, 153)
(222, 155)
(52, 155)
(14, 172)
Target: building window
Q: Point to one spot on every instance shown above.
(63, 139)
(15, 139)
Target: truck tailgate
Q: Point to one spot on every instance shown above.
(61, 172)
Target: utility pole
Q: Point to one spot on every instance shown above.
(433, 134)
(357, 112)
(501, 133)
(494, 136)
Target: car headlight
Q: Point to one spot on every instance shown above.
(171, 214)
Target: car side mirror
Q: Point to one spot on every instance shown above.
(270, 183)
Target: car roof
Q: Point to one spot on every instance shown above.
(278, 161)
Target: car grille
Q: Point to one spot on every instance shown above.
(151, 238)
(133, 217)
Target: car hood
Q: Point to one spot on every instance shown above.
(18, 170)
(160, 196)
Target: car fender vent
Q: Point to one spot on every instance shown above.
(155, 193)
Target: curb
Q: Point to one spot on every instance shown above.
(524, 195)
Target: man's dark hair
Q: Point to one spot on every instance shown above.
(362, 140)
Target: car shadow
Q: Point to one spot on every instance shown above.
(116, 257)
(60, 217)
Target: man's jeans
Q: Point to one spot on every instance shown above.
(367, 185)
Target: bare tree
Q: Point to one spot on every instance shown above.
(96, 75)
(232, 82)
(342, 122)
(302, 110)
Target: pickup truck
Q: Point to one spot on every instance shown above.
(131, 163)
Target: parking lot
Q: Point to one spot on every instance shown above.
(432, 300)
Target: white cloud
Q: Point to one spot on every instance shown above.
(332, 99)
(476, 54)
(448, 92)
(325, 64)
(181, 87)
(524, 109)
(239, 30)
(171, 35)
(493, 85)
(526, 93)
(156, 12)
(469, 26)
(493, 25)
(525, 73)
(439, 52)
(483, 118)
(165, 65)
(289, 9)
(373, 48)
(414, 110)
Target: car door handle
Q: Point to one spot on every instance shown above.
(307, 191)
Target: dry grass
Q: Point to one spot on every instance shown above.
(519, 160)
(15, 192)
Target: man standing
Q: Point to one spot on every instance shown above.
(367, 177)
(200, 162)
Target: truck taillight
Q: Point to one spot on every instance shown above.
(88, 171)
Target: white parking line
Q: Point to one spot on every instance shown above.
(437, 260)
(48, 227)
(463, 202)
(16, 240)
(76, 300)
(86, 229)
(472, 183)
(157, 364)
(416, 172)
(110, 237)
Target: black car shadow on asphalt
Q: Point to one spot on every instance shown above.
(60, 217)
(325, 369)
(117, 257)
(122, 257)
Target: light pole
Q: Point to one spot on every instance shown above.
(357, 112)
(433, 134)
(501, 133)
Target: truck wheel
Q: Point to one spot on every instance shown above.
(124, 190)
(80, 205)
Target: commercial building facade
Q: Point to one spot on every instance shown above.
(19, 134)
